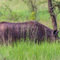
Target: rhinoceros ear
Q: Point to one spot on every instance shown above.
(55, 32)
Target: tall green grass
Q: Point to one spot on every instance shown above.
(30, 51)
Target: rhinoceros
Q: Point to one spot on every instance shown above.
(34, 30)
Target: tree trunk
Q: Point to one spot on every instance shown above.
(53, 17)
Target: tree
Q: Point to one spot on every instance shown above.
(52, 14)
(32, 5)
(56, 4)
(11, 14)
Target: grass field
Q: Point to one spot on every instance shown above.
(27, 50)
(30, 51)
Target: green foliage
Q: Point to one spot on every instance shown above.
(21, 12)
(56, 4)
(32, 17)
